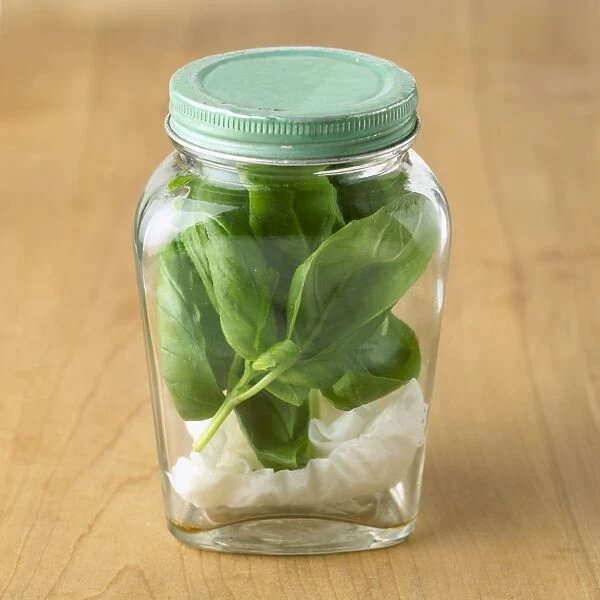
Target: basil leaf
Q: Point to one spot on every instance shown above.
(382, 364)
(277, 431)
(386, 360)
(319, 372)
(292, 394)
(291, 213)
(359, 273)
(361, 198)
(193, 245)
(231, 263)
(178, 182)
(326, 367)
(185, 316)
(276, 354)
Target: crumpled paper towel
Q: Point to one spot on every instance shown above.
(363, 451)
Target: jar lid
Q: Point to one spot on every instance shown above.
(293, 103)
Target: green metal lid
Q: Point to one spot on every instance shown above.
(292, 103)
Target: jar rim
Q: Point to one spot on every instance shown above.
(183, 144)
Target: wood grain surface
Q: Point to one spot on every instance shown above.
(511, 123)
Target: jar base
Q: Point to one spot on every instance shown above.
(292, 536)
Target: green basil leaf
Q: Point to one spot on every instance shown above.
(363, 197)
(323, 369)
(360, 272)
(291, 212)
(193, 245)
(292, 394)
(277, 430)
(276, 354)
(231, 263)
(178, 182)
(319, 372)
(243, 283)
(391, 345)
(386, 361)
(184, 315)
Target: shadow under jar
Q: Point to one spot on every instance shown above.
(292, 254)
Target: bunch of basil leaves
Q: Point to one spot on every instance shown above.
(282, 288)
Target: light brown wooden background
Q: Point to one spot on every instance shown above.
(510, 107)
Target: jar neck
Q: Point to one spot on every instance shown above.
(196, 158)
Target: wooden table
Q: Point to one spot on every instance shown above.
(510, 108)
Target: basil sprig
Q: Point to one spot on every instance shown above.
(283, 285)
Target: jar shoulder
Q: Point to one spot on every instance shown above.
(154, 195)
(422, 179)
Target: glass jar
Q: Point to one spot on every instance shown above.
(292, 255)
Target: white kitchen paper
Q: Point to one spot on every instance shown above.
(362, 451)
